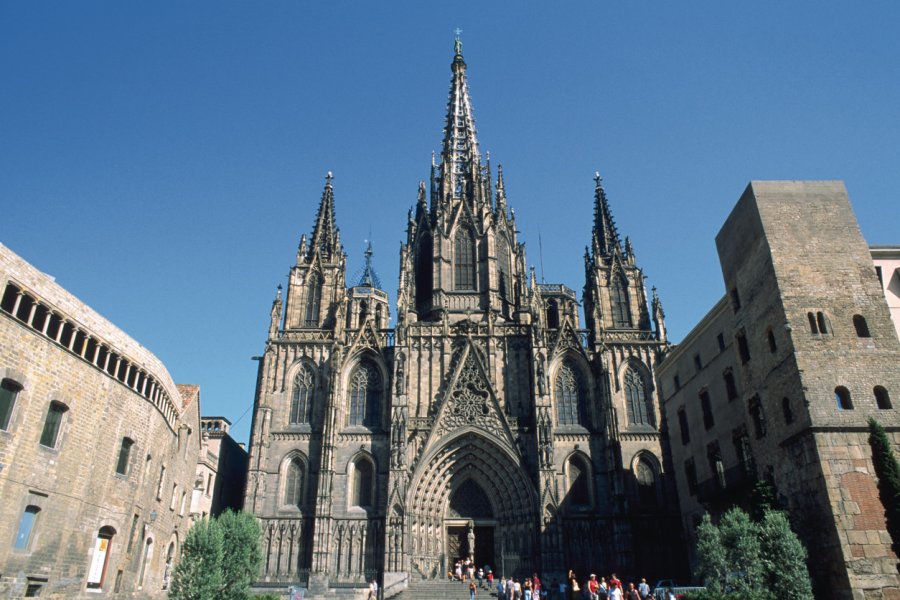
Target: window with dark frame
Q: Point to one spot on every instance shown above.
(124, 456)
(9, 391)
(52, 424)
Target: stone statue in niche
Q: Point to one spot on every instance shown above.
(470, 539)
(541, 376)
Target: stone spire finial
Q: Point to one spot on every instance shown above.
(606, 237)
(325, 238)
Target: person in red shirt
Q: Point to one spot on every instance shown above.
(593, 587)
(614, 581)
(536, 583)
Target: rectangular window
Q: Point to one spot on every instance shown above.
(9, 390)
(730, 385)
(677, 381)
(743, 348)
(716, 466)
(683, 424)
(124, 455)
(698, 364)
(26, 527)
(735, 299)
(174, 499)
(162, 479)
(758, 416)
(50, 433)
(134, 524)
(690, 472)
(721, 340)
(706, 405)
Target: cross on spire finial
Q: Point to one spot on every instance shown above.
(597, 177)
(457, 44)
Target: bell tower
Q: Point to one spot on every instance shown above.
(316, 286)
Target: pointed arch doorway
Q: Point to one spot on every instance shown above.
(469, 525)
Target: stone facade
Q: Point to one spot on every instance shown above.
(98, 449)
(778, 380)
(488, 408)
(887, 266)
(221, 469)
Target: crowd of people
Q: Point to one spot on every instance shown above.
(532, 588)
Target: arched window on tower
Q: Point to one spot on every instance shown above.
(552, 314)
(302, 396)
(292, 493)
(365, 395)
(621, 312)
(636, 397)
(464, 260)
(569, 395)
(313, 299)
(645, 476)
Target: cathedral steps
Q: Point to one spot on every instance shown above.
(442, 590)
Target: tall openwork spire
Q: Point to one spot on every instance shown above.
(606, 237)
(325, 240)
(460, 157)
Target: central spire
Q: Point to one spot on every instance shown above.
(460, 157)
(606, 236)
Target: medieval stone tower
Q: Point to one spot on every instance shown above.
(487, 423)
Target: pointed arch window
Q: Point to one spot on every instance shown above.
(363, 483)
(645, 476)
(302, 396)
(313, 299)
(464, 260)
(579, 483)
(503, 269)
(569, 395)
(621, 312)
(293, 483)
(365, 395)
(638, 404)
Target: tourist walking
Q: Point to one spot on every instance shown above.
(472, 588)
(643, 588)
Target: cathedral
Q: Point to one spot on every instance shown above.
(488, 423)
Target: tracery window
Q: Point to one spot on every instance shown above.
(293, 483)
(313, 299)
(639, 412)
(569, 395)
(302, 396)
(621, 312)
(464, 260)
(365, 395)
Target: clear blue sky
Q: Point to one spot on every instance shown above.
(161, 159)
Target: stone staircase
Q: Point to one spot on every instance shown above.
(442, 590)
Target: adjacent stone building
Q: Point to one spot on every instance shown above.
(887, 267)
(221, 469)
(778, 380)
(98, 449)
(488, 423)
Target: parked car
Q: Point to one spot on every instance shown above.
(663, 586)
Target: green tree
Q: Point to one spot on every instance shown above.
(242, 556)
(888, 473)
(740, 538)
(762, 499)
(198, 575)
(783, 558)
(711, 554)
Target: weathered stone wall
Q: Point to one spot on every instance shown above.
(796, 271)
(75, 484)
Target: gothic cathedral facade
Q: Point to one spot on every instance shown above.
(487, 423)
